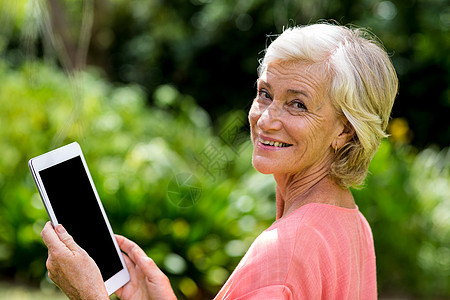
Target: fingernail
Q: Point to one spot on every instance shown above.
(60, 229)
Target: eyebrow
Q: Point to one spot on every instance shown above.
(297, 92)
(259, 81)
(289, 91)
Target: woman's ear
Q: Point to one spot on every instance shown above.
(345, 136)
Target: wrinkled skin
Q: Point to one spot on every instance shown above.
(292, 107)
(75, 272)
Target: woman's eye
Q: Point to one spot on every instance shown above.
(299, 105)
(264, 94)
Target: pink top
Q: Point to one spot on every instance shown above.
(319, 251)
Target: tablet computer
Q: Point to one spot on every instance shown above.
(70, 198)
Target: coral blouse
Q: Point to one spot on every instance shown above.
(319, 251)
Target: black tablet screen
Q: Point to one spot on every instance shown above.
(76, 208)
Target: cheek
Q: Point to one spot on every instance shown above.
(253, 115)
(308, 132)
(319, 134)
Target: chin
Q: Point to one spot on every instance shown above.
(263, 168)
(262, 171)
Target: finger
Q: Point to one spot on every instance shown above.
(138, 257)
(147, 265)
(131, 266)
(130, 248)
(51, 239)
(66, 238)
(48, 263)
(126, 245)
(119, 292)
(133, 276)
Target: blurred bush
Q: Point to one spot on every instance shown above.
(166, 180)
(216, 44)
(187, 193)
(406, 200)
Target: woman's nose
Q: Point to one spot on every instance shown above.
(270, 118)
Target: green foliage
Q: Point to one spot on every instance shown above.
(216, 44)
(406, 201)
(196, 223)
(135, 153)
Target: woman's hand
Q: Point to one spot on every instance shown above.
(70, 267)
(147, 280)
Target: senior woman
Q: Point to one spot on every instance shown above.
(324, 97)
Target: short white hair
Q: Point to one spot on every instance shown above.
(362, 86)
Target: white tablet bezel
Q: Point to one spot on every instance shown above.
(60, 155)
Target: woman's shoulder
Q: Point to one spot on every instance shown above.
(318, 216)
(317, 229)
(311, 226)
(303, 250)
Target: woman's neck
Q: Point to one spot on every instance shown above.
(295, 190)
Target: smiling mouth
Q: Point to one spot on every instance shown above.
(273, 143)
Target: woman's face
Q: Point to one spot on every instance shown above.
(293, 123)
